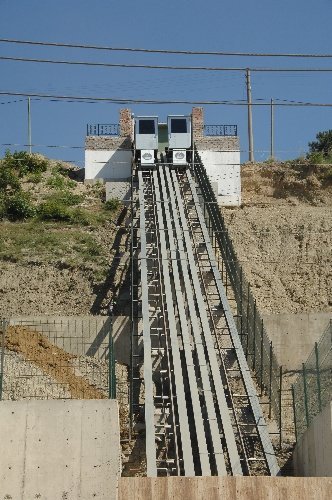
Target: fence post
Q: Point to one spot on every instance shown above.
(305, 394)
(262, 356)
(241, 304)
(318, 378)
(254, 353)
(294, 411)
(110, 361)
(270, 382)
(248, 309)
(3, 329)
(113, 370)
(280, 405)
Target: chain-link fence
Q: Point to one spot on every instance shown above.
(255, 341)
(312, 390)
(54, 358)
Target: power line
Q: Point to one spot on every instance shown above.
(162, 51)
(166, 67)
(116, 100)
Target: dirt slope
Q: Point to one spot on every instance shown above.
(282, 235)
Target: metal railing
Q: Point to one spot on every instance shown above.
(56, 359)
(220, 130)
(312, 391)
(103, 129)
(256, 344)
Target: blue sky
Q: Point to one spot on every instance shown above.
(250, 26)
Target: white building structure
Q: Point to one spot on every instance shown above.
(109, 157)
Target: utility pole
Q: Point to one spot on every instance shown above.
(250, 131)
(272, 130)
(29, 124)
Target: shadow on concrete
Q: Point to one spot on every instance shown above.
(100, 338)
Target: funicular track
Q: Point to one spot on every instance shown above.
(201, 410)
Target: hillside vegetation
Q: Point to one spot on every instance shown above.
(56, 237)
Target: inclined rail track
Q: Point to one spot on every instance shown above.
(195, 399)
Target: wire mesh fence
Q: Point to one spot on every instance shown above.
(46, 358)
(312, 391)
(255, 341)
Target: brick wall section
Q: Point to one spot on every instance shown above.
(197, 122)
(111, 143)
(126, 123)
(218, 143)
(210, 143)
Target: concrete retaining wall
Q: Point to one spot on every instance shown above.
(60, 449)
(107, 164)
(223, 170)
(313, 452)
(293, 335)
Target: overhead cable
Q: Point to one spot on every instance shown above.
(166, 67)
(162, 51)
(115, 100)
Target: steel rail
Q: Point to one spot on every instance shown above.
(191, 292)
(234, 458)
(166, 346)
(147, 371)
(244, 368)
(223, 367)
(163, 306)
(194, 394)
(188, 462)
(203, 361)
(208, 389)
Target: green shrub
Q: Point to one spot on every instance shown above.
(19, 206)
(8, 179)
(52, 210)
(58, 181)
(24, 163)
(323, 144)
(112, 204)
(35, 178)
(79, 216)
(66, 198)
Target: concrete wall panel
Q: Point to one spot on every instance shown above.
(107, 164)
(60, 449)
(313, 451)
(294, 335)
(223, 170)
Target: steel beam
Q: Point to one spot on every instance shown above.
(149, 402)
(197, 411)
(188, 462)
(232, 450)
(208, 390)
(243, 365)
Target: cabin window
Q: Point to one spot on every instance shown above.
(146, 127)
(178, 126)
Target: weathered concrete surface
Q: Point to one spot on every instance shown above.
(293, 335)
(63, 449)
(228, 488)
(313, 451)
(83, 335)
(120, 189)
